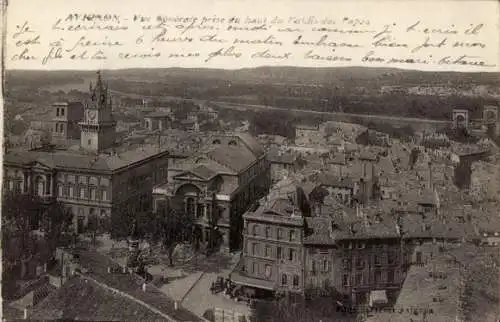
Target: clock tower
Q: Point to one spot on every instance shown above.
(98, 125)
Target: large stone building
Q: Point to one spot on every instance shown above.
(288, 248)
(216, 185)
(64, 125)
(95, 178)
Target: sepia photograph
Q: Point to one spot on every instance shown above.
(231, 161)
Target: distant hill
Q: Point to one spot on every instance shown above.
(341, 76)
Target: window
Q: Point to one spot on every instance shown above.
(313, 268)
(345, 280)
(292, 235)
(326, 267)
(280, 234)
(268, 271)
(346, 263)
(92, 194)
(40, 187)
(254, 268)
(71, 191)
(360, 263)
(103, 195)
(291, 254)
(284, 279)
(377, 260)
(295, 281)
(278, 253)
(254, 230)
(82, 193)
(359, 278)
(57, 113)
(254, 249)
(89, 142)
(268, 232)
(391, 258)
(60, 190)
(62, 111)
(378, 276)
(190, 206)
(208, 209)
(360, 246)
(267, 251)
(200, 211)
(18, 187)
(390, 276)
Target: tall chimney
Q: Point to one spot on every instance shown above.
(363, 190)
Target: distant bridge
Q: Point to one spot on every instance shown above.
(418, 124)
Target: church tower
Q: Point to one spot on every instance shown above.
(98, 125)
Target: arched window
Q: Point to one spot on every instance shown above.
(216, 141)
(40, 187)
(284, 279)
(190, 208)
(233, 143)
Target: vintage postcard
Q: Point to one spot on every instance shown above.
(266, 161)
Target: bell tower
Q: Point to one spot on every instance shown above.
(98, 126)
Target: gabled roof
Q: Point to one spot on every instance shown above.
(233, 157)
(201, 172)
(251, 143)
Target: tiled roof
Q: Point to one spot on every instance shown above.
(80, 160)
(275, 156)
(204, 172)
(329, 179)
(418, 226)
(97, 265)
(82, 299)
(233, 157)
(159, 114)
(367, 155)
(349, 226)
(251, 143)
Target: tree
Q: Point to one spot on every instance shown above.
(176, 227)
(20, 215)
(57, 222)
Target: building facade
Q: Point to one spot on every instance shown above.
(273, 252)
(349, 253)
(97, 178)
(65, 118)
(216, 186)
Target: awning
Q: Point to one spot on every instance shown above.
(252, 282)
(378, 297)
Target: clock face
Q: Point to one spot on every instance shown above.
(91, 115)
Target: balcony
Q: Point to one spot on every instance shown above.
(46, 199)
